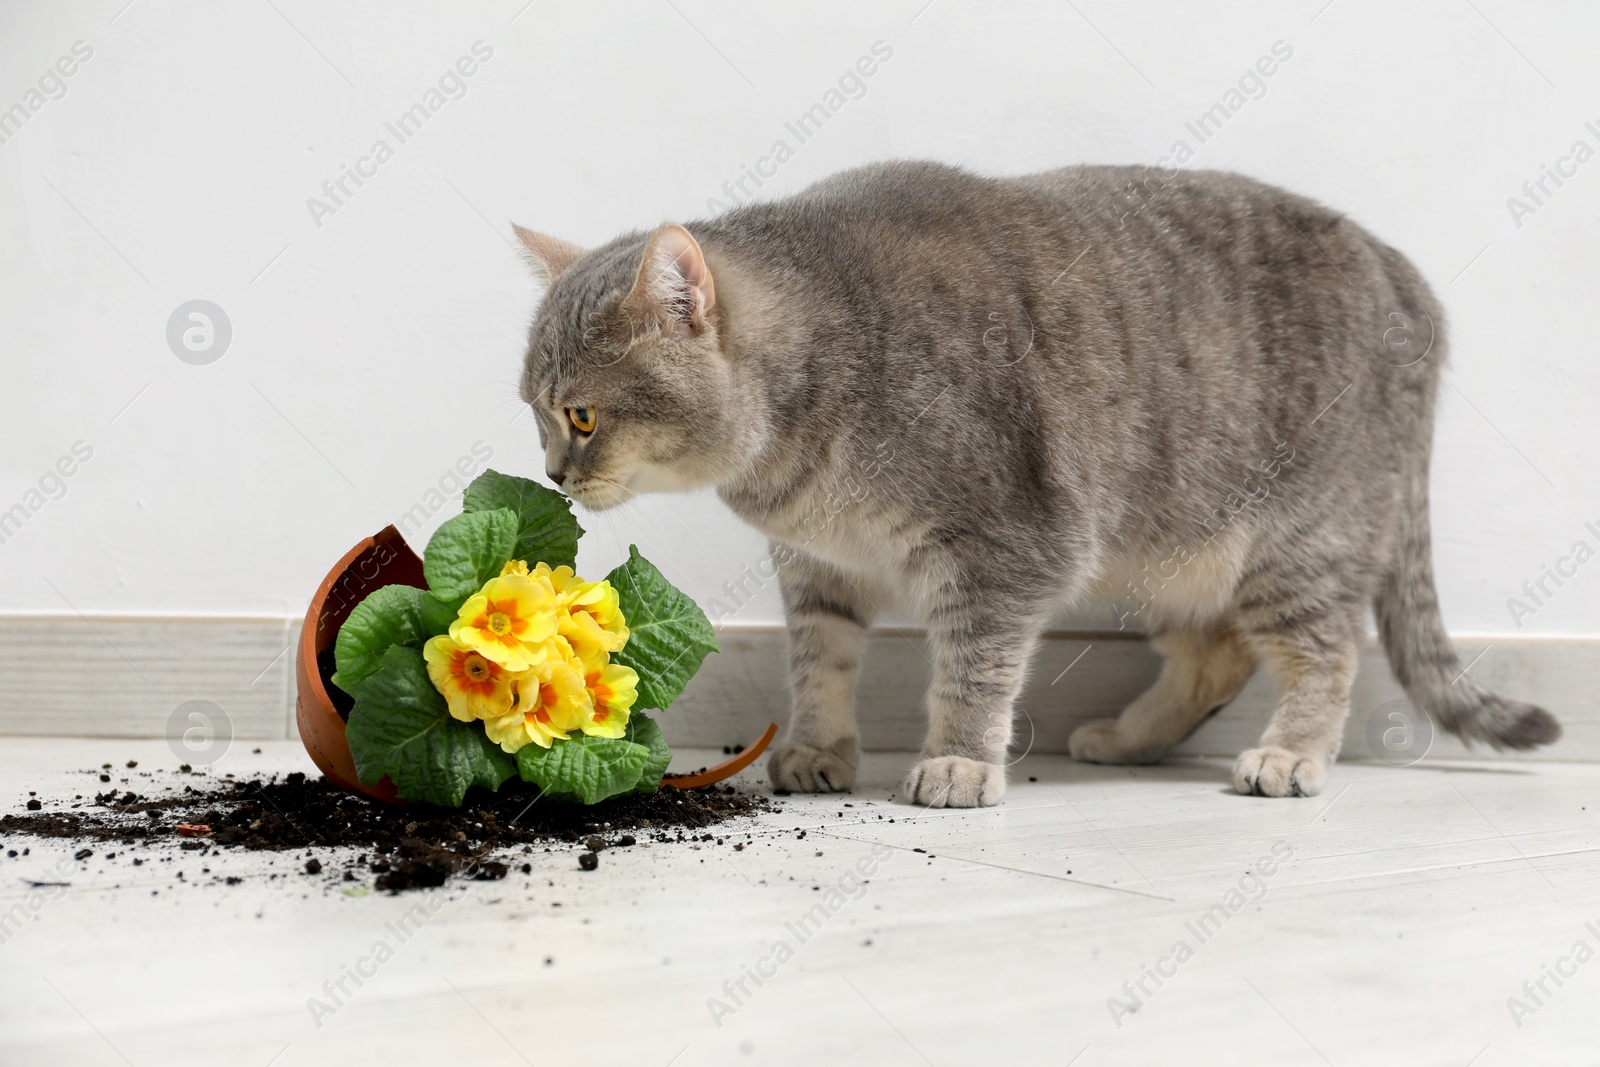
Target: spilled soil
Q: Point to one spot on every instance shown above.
(363, 841)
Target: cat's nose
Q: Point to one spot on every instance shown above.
(556, 476)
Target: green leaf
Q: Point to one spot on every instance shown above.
(587, 768)
(437, 615)
(546, 530)
(401, 727)
(393, 615)
(642, 730)
(669, 635)
(467, 551)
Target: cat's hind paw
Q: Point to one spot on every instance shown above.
(1100, 741)
(804, 769)
(955, 782)
(1277, 772)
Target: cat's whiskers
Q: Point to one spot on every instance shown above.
(581, 486)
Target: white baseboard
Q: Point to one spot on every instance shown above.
(126, 677)
(742, 689)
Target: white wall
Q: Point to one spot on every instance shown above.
(376, 349)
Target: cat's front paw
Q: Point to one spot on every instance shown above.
(805, 769)
(1277, 772)
(955, 782)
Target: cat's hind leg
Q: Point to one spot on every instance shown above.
(1205, 668)
(826, 617)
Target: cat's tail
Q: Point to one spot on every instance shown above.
(1419, 649)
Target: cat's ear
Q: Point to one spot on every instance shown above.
(548, 256)
(673, 290)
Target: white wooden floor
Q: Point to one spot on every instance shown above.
(1415, 903)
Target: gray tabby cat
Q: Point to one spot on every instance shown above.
(984, 397)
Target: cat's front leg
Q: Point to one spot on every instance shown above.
(980, 653)
(826, 616)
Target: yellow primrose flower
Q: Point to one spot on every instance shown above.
(589, 613)
(510, 622)
(612, 691)
(551, 702)
(472, 686)
(514, 566)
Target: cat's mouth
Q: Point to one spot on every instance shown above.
(598, 494)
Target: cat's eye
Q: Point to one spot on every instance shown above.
(584, 419)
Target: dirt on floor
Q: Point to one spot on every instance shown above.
(396, 847)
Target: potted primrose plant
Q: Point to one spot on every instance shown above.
(490, 658)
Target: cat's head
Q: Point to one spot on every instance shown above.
(625, 370)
